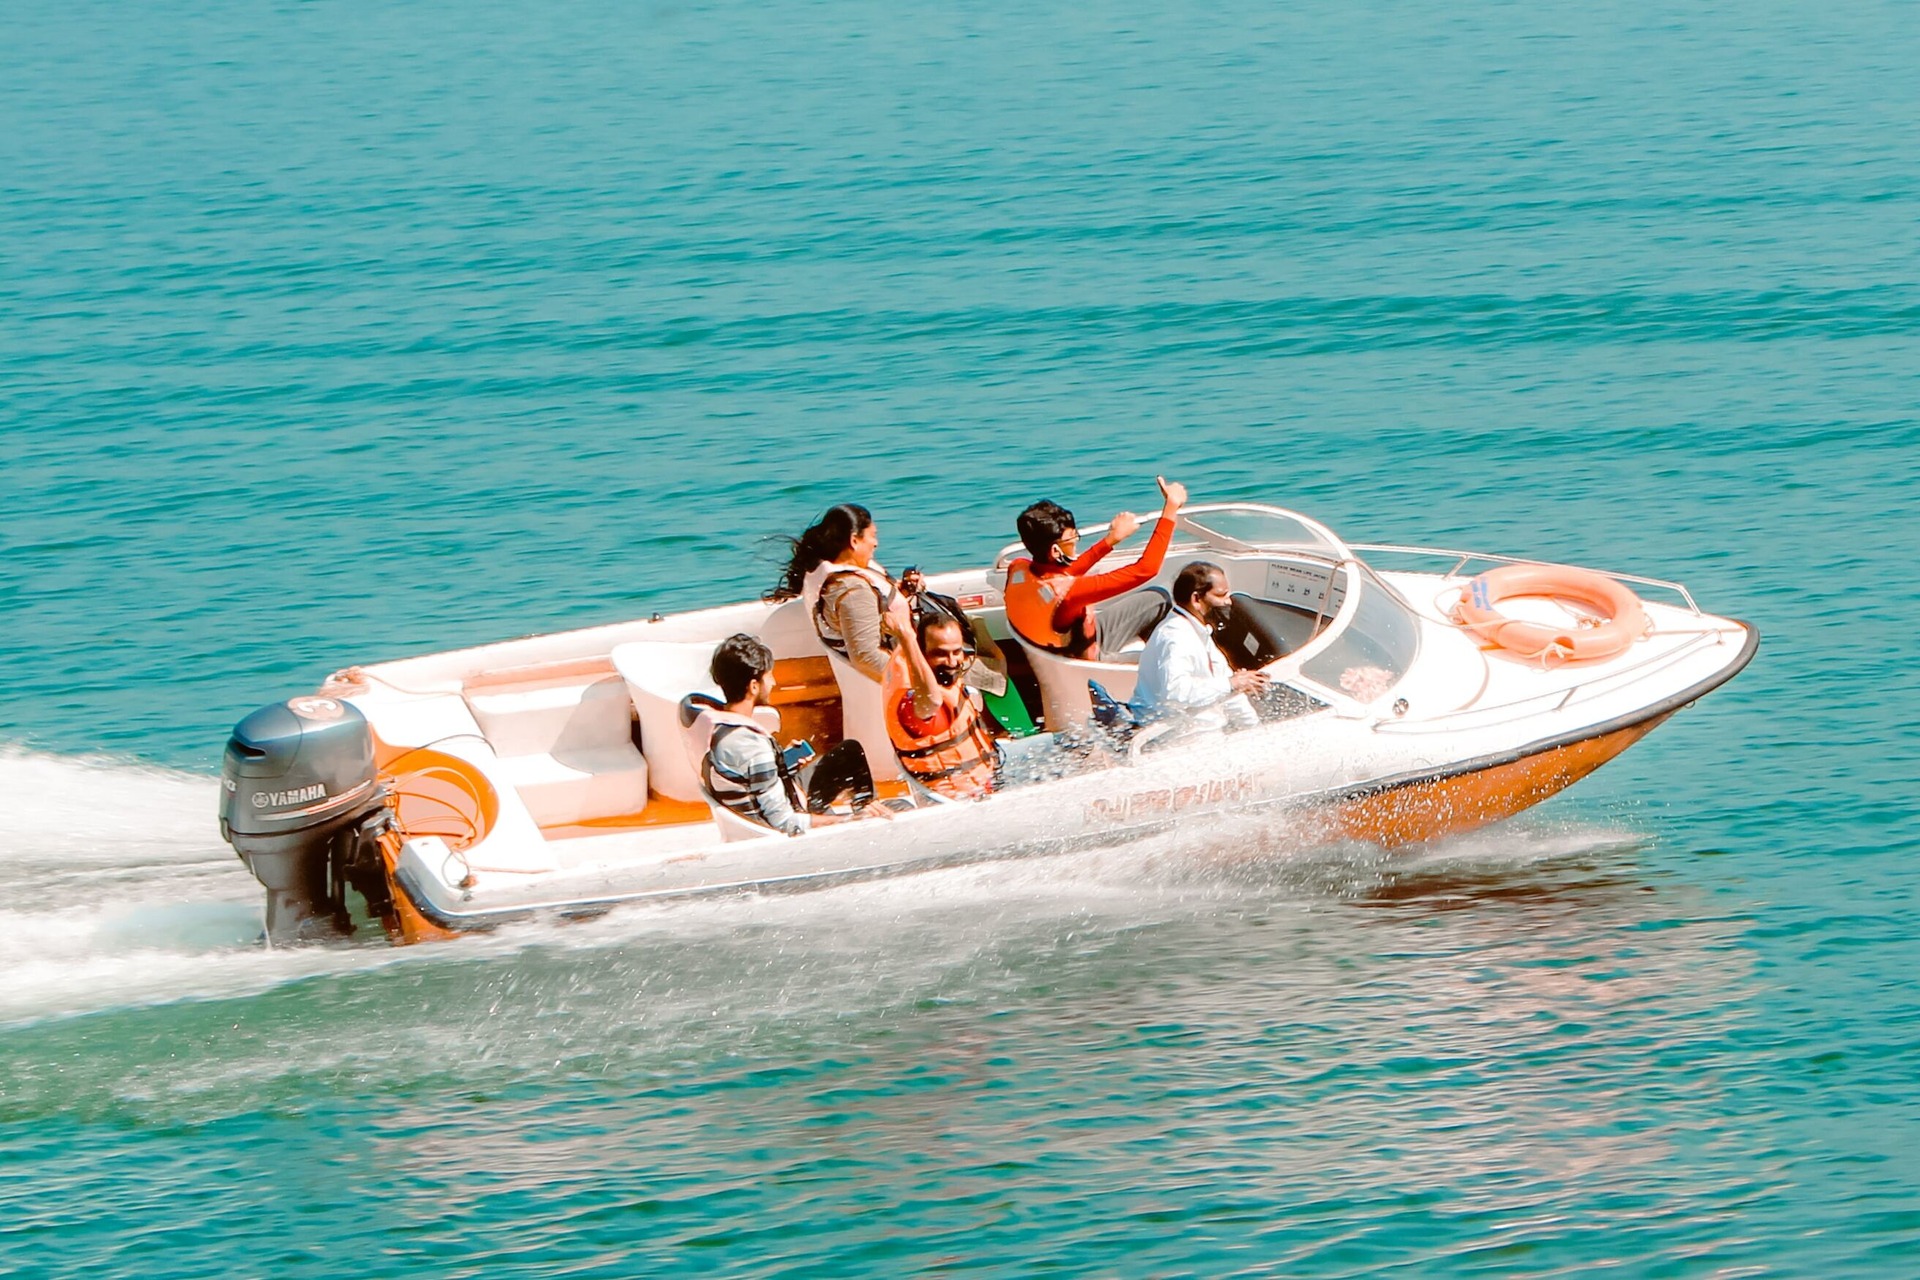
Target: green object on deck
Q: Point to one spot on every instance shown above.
(1011, 711)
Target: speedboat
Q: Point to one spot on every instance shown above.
(1414, 693)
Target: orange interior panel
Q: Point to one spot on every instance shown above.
(435, 794)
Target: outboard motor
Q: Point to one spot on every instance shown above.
(302, 806)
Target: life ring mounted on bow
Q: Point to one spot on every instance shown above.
(1623, 621)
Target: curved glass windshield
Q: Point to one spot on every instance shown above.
(1375, 649)
(1255, 527)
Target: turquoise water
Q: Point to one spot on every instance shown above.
(340, 332)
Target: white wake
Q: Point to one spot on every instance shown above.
(121, 892)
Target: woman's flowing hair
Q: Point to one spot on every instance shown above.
(825, 539)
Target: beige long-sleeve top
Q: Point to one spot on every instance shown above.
(850, 610)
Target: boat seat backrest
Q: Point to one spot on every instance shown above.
(863, 718)
(659, 675)
(788, 630)
(554, 719)
(1064, 694)
(734, 827)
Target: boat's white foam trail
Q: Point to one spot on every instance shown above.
(73, 810)
(120, 891)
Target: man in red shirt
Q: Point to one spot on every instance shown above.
(1051, 597)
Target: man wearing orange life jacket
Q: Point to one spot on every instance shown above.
(935, 721)
(1050, 597)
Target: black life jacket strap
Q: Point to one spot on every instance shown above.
(709, 767)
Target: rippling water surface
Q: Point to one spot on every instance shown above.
(338, 332)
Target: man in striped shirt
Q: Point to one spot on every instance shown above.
(741, 766)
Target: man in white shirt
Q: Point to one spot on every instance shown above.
(1183, 674)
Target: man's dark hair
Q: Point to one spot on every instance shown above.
(1040, 527)
(931, 618)
(1195, 581)
(738, 662)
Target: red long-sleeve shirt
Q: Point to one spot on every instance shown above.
(1088, 589)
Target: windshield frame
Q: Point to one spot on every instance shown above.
(1321, 539)
(1198, 536)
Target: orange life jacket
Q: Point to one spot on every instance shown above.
(959, 760)
(1031, 599)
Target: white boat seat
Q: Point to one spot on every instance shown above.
(1067, 702)
(863, 718)
(551, 719)
(577, 785)
(734, 827)
(658, 674)
(566, 746)
(788, 630)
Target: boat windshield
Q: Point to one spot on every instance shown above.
(1376, 647)
(1260, 527)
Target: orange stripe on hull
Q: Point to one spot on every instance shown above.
(1447, 806)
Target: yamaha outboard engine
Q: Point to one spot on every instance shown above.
(302, 806)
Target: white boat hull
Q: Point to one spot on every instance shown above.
(519, 794)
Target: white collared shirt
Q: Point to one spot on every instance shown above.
(1184, 674)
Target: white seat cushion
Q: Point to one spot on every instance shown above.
(417, 721)
(578, 785)
(552, 719)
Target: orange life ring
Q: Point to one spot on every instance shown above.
(1625, 620)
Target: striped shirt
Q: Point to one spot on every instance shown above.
(739, 770)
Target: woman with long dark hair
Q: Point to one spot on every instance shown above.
(846, 591)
